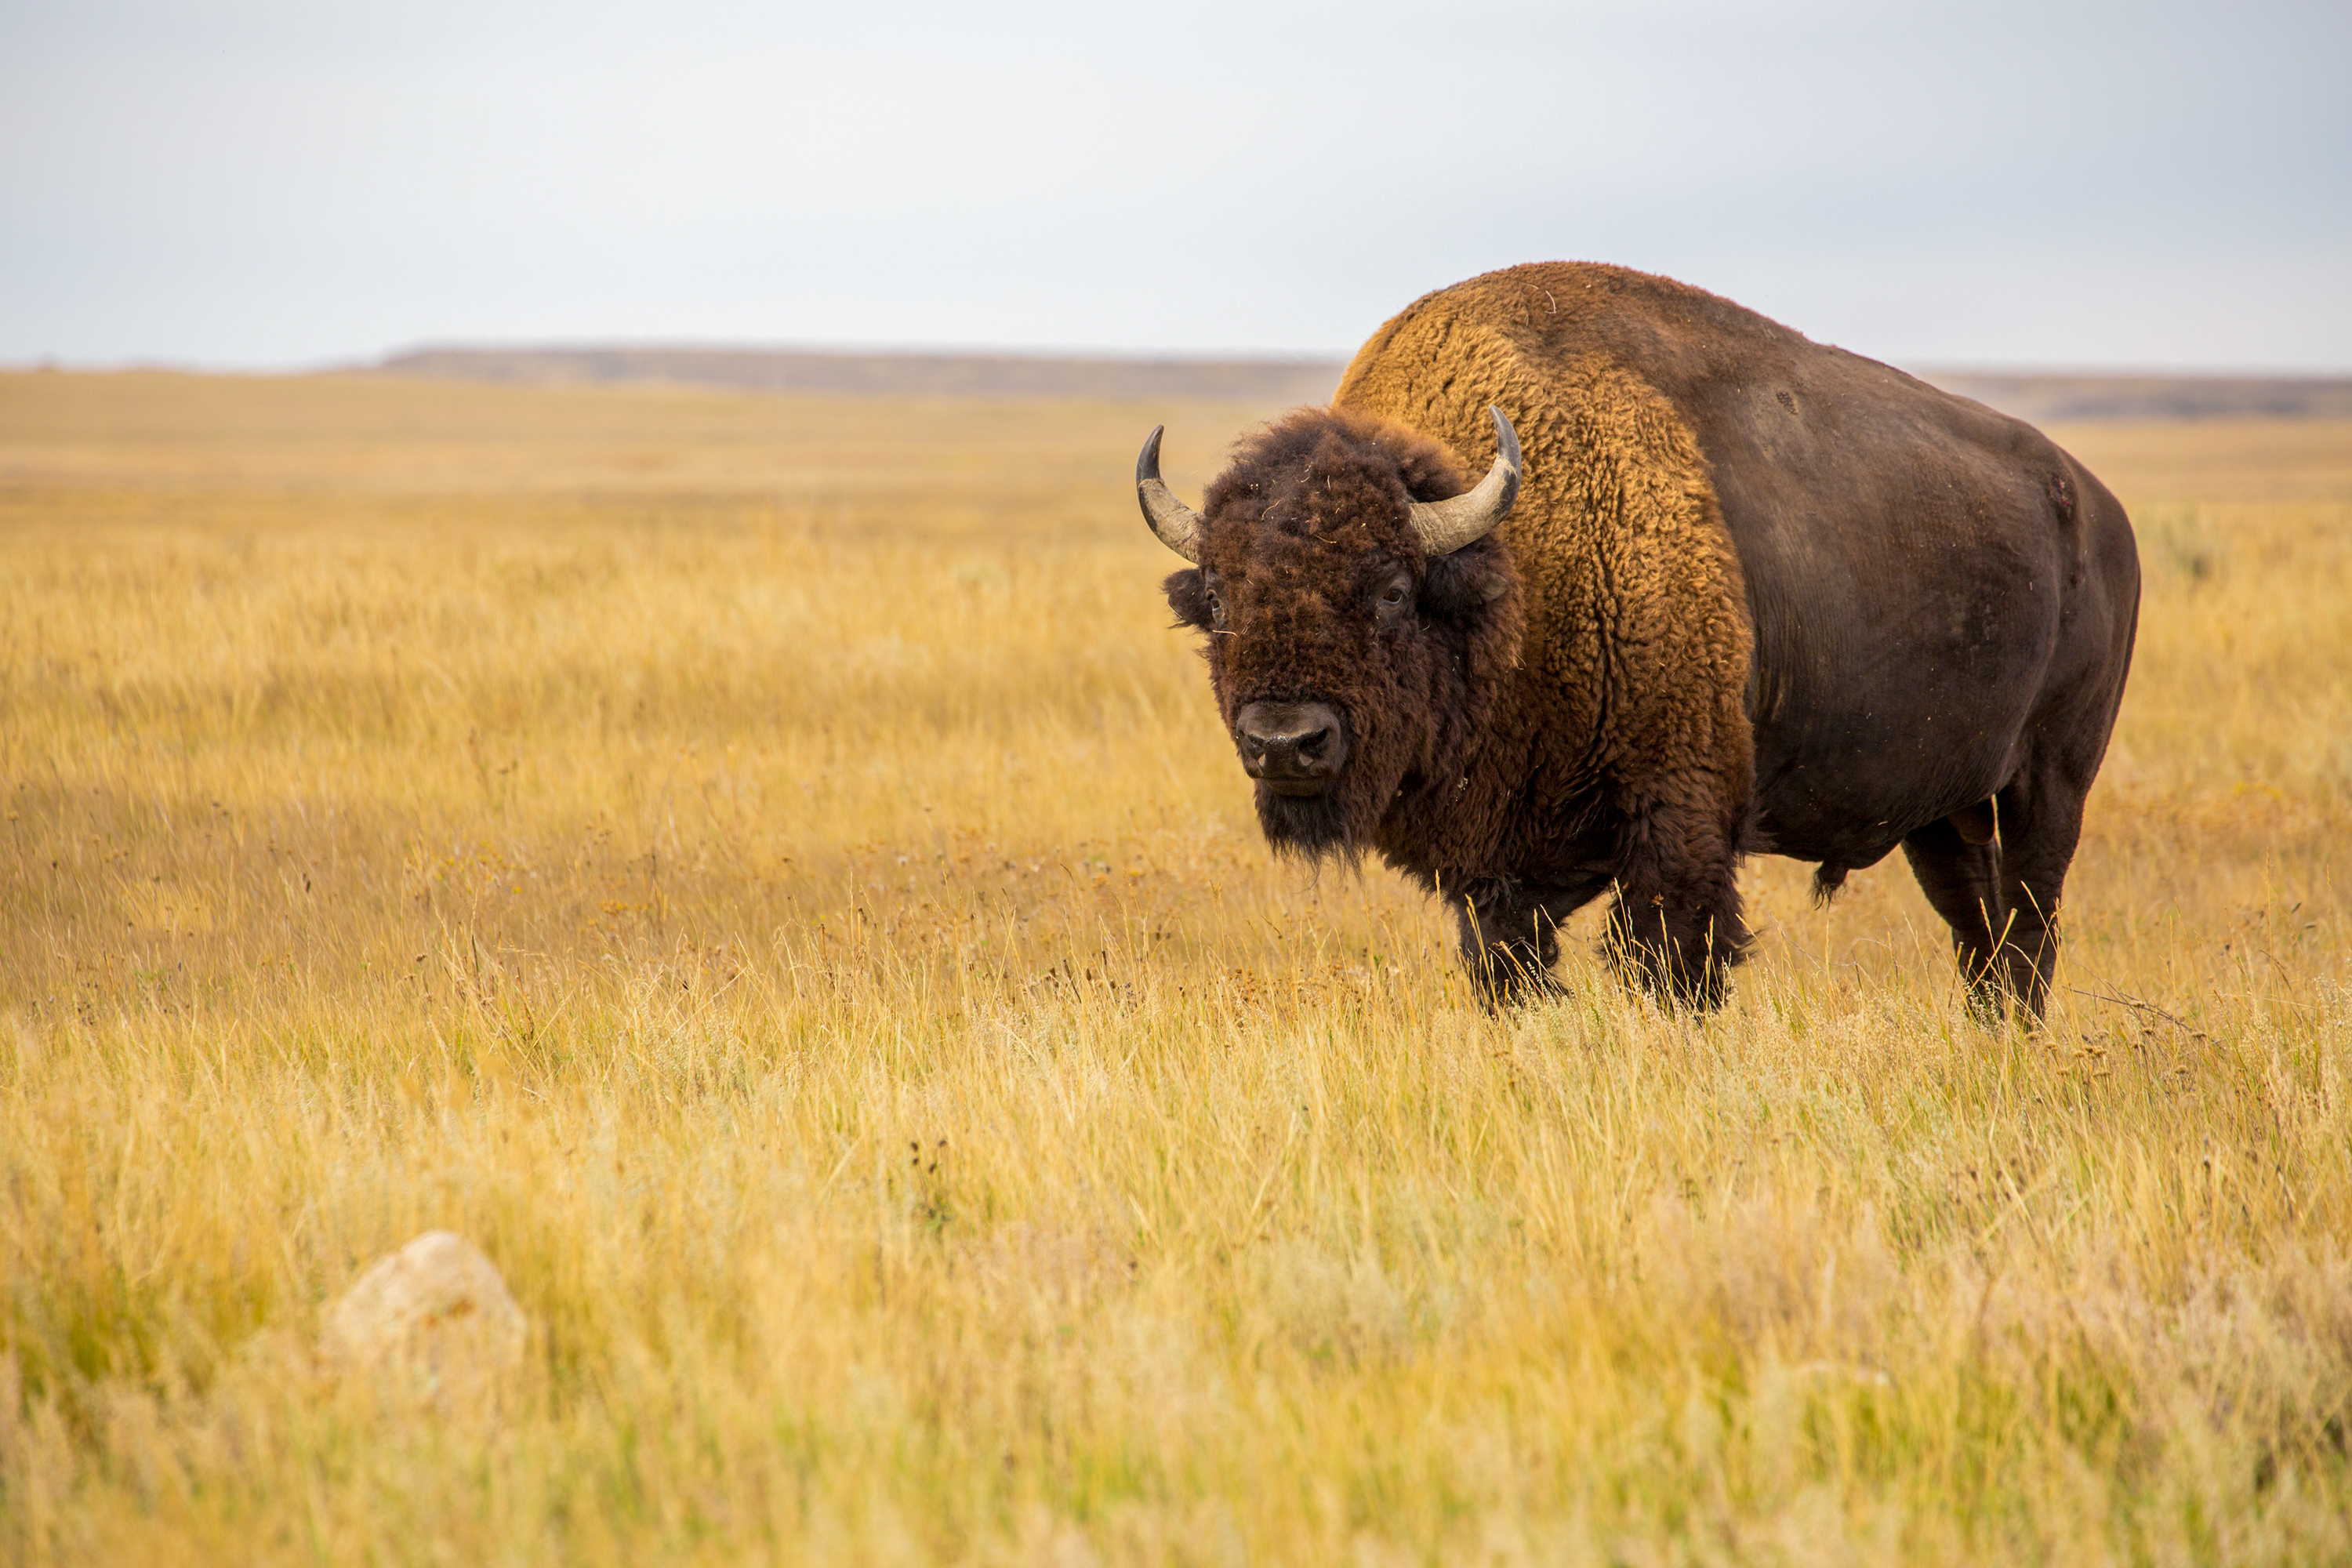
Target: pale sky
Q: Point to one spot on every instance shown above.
(285, 183)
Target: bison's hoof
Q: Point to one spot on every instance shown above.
(1509, 984)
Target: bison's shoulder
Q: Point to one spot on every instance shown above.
(1637, 641)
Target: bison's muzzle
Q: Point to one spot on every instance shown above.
(1293, 748)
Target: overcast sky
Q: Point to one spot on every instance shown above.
(270, 182)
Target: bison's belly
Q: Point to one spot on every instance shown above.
(1895, 677)
(1844, 774)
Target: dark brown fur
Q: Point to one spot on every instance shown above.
(1755, 593)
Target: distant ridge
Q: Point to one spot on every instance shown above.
(2057, 399)
(2044, 398)
(1275, 381)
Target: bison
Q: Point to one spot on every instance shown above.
(1756, 596)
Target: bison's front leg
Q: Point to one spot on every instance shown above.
(1510, 936)
(1675, 927)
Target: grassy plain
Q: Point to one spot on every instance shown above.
(763, 868)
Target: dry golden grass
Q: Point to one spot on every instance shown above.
(763, 869)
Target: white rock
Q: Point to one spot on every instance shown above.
(435, 1310)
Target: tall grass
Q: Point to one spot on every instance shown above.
(764, 870)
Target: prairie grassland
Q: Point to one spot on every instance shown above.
(764, 870)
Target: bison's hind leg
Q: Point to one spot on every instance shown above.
(2001, 899)
(2040, 823)
(1962, 881)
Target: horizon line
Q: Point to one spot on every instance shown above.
(1297, 359)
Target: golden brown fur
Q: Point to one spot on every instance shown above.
(1636, 650)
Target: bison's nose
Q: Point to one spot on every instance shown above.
(1295, 747)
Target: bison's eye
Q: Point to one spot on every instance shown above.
(1395, 598)
(1216, 609)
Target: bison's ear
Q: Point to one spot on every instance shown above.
(1461, 586)
(1188, 597)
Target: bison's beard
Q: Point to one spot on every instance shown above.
(1335, 824)
(1308, 825)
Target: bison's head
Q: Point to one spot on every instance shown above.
(1358, 611)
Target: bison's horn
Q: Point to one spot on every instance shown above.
(1446, 526)
(1178, 525)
